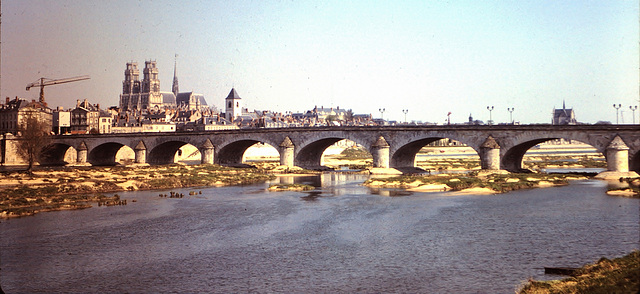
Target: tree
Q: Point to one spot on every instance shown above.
(34, 137)
(331, 118)
(348, 116)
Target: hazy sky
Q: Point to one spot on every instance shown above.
(430, 57)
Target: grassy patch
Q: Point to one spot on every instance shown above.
(355, 153)
(290, 187)
(621, 275)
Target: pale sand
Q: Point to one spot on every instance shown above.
(476, 190)
(627, 193)
(430, 188)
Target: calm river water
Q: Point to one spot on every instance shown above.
(340, 238)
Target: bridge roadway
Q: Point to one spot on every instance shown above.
(499, 146)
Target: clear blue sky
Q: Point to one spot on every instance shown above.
(430, 57)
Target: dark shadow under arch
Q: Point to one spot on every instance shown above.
(311, 155)
(104, 154)
(53, 155)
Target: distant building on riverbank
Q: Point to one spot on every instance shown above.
(564, 116)
(14, 112)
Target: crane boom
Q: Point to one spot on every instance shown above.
(42, 82)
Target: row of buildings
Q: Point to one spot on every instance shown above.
(144, 108)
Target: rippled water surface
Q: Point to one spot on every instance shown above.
(340, 238)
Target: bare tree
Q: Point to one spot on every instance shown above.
(34, 137)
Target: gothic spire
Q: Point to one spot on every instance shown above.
(174, 88)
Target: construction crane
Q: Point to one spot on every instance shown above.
(42, 82)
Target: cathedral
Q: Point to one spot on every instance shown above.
(146, 95)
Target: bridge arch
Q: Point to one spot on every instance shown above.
(57, 154)
(172, 151)
(513, 156)
(309, 154)
(105, 154)
(232, 153)
(405, 152)
(634, 161)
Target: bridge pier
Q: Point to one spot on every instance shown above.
(81, 152)
(141, 153)
(206, 152)
(287, 152)
(617, 156)
(490, 154)
(380, 153)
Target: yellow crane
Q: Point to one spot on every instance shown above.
(42, 82)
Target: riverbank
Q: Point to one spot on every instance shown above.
(77, 187)
(620, 275)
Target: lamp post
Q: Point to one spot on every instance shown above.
(510, 110)
(617, 107)
(381, 113)
(634, 108)
(490, 108)
(405, 114)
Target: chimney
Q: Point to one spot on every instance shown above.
(98, 106)
(8, 99)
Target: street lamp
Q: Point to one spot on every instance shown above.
(490, 108)
(617, 107)
(381, 113)
(510, 110)
(634, 108)
(405, 114)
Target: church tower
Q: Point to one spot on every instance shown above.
(150, 96)
(233, 107)
(131, 84)
(174, 87)
(150, 81)
(130, 87)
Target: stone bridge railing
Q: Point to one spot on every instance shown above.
(498, 146)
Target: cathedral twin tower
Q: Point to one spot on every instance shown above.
(139, 95)
(146, 95)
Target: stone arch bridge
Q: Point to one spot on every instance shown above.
(498, 146)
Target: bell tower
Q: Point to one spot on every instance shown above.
(131, 84)
(233, 107)
(150, 82)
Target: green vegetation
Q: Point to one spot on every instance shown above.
(290, 187)
(584, 161)
(629, 185)
(498, 182)
(352, 153)
(621, 275)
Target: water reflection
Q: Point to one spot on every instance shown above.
(390, 192)
(312, 196)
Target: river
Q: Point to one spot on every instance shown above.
(342, 237)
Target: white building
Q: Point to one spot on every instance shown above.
(233, 107)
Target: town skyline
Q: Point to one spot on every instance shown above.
(429, 58)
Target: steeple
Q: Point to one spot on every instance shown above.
(174, 87)
(233, 108)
